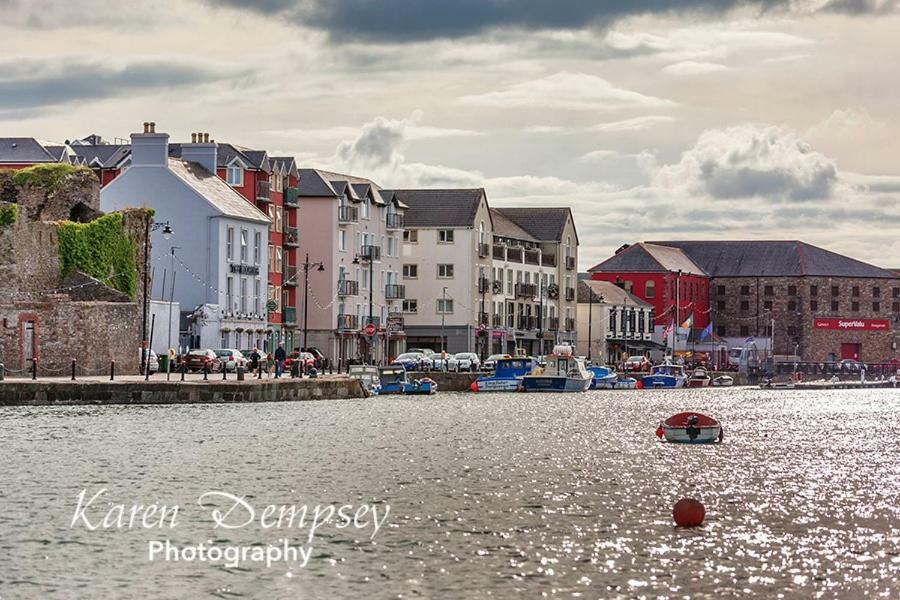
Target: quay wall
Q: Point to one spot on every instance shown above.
(64, 393)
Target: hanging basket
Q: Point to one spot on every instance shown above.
(225, 329)
(239, 329)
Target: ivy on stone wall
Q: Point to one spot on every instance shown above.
(100, 249)
(8, 214)
(49, 175)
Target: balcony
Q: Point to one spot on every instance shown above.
(292, 197)
(553, 323)
(484, 285)
(483, 250)
(570, 263)
(290, 275)
(532, 257)
(526, 290)
(291, 236)
(376, 321)
(497, 321)
(262, 191)
(347, 322)
(369, 252)
(514, 255)
(348, 214)
(570, 324)
(499, 253)
(347, 287)
(394, 221)
(527, 323)
(393, 291)
(548, 260)
(570, 294)
(289, 315)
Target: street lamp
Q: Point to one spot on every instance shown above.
(306, 266)
(591, 319)
(167, 234)
(370, 258)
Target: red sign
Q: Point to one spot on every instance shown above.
(369, 329)
(852, 324)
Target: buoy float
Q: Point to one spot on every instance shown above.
(639, 385)
(659, 431)
(474, 386)
(688, 512)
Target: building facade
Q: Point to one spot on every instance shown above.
(613, 324)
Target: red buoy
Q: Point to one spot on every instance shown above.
(639, 385)
(659, 431)
(688, 512)
(474, 386)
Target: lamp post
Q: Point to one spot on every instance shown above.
(371, 260)
(306, 266)
(167, 233)
(171, 296)
(443, 313)
(591, 320)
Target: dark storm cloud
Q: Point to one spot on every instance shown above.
(33, 85)
(416, 20)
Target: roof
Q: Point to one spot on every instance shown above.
(609, 292)
(546, 224)
(217, 192)
(102, 155)
(321, 183)
(646, 257)
(24, 150)
(288, 164)
(506, 228)
(774, 258)
(440, 208)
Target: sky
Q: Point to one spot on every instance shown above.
(651, 119)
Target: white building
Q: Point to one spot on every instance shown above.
(219, 239)
(612, 323)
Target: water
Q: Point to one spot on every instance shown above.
(490, 496)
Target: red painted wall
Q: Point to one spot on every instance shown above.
(694, 296)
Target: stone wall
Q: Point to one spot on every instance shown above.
(75, 197)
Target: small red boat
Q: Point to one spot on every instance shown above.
(690, 428)
(699, 378)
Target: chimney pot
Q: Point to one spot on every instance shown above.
(205, 138)
(193, 138)
(152, 126)
(146, 127)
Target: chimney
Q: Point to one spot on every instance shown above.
(201, 151)
(149, 149)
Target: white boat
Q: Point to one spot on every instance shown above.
(699, 378)
(665, 375)
(368, 378)
(723, 381)
(563, 373)
(690, 428)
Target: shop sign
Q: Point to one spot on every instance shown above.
(852, 324)
(244, 269)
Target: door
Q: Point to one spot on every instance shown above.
(28, 342)
(850, 351)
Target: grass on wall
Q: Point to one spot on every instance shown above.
(100, 249)
(47, 175)
(8, 214)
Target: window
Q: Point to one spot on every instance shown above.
(411, 236)
(342, 240)
(896, 307)
(767, 305)
(271, 256)
(445, 236)
(876, 292)
(721, 330)
(509, 282)
(720, 290)
(612, 319)
(792, 305)
(792, 330)
(243, 294)
(410, 306)
(279, 218)
(650, 290)
(410, 271)
(256, 296)
(444, 306)
(257, 247)
(896, 292)
(813, 305)
(225, 336)
(876, 307)
(392, 246)
(855, 291)
(769, 290)
(834, 306)
(365, 208)
(229, 294)
(745, 290)
(720, 304)
(234, 175)
(745, 330)
(277, 260)
(854, 306)
(745, 305)
(813, 290)
(792, 290)
(835, 291)
(629, 285)
(445, 272)
(245, 245)
(229, 243)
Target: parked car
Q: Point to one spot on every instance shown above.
(196, 359)
(414, 361)
(307, 361)
(490, 363)
(464, 361)
(317, 354)
(232, 358)
(848, 365)
(154, 361)
(636, 363)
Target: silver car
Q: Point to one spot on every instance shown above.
(464, 361)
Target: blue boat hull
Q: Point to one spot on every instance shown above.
(554, 384)
(662, 382)
(498, 384)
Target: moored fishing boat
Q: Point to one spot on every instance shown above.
(723, 381)
(602, 378)
(690, 428)
(368, 378)
(563, 373)
(699, 378)
(665, 375)
(394, 380)
(507, 375)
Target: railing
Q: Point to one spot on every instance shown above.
(348, 214)
(394, 291)
(262, 191)
(290, 275)
(292, 197)
(369, 252)
(514, 255)
(527, 323)
(394, 221)
(570, 324)
(500, 253)
(484, 285)
(548, 260)
(570, 294)
(291, 235)
(553, 323)
(510, 321)
(483, 250)
(289, 314)
(526, 290)
(570, 263)
(348, 322)
(348, 287)
(532, 257)
(497, 321)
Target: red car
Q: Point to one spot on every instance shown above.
(637, 363)
(306, 359)
(196, 359)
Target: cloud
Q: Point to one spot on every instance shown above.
(751, 162)
(690, 67)
(598, 155)
(58, 14)
(549, 129)
(566, 91)
(635, 124)
(416, 20)
(412, 130)
(38, 84)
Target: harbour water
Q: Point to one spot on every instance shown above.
(502, 496)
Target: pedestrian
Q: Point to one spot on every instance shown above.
(254, 360)
(280, 355)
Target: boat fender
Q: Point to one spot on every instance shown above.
(474, 386)
(659, 431)
(639, 385)
(721, 433)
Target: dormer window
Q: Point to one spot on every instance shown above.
(365, 208)
(234, 175)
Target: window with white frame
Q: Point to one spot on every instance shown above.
(365, 208)
(244, 245)
(445, 236)
(444, 306)
(229, 243)
(342, 240)
(256, 284)
(229, 293)
(445, 271)
(411, 236)
(279, 218)
(410, 306)
(257, 246)
(271, 256)
(278, 261)
(243, 294)
(410, 271)
(234, 175)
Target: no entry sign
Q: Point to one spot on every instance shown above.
(369, 329)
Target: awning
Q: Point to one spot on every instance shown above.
(644, 344)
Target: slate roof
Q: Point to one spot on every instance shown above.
(506, 228)
(217, 192)
(774, 258)
(440, 208)
(24, 150)
(107, 155)
(545, 224)
(648, 258)
(288, 164)
(611, 293)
